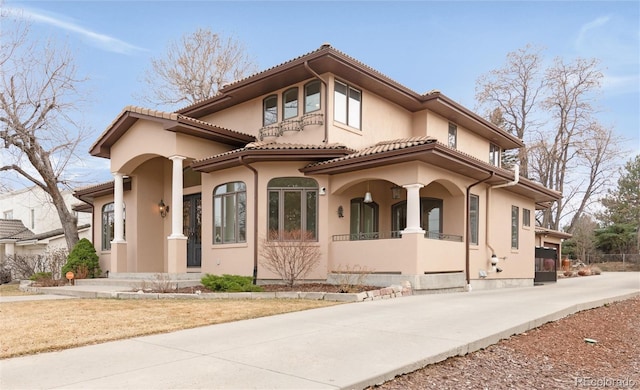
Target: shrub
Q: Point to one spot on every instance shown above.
(229, 283)
(5, 274)
(350, 277)
(83, 260)
(292, 256)
(44, 279)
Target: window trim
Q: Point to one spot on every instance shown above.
(307, 95)
(515, 227)
(452, 137)
(348, 87)
(284, 103)
(495, 154)
(475, 226)
(236, 195)
(526, 218)
(107, 238)
(264, 110)
(304, 196)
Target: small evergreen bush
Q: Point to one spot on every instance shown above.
(83, 261)
(229, 283)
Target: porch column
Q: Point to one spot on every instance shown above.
(118, 207)
(176, 242)
(176, 197)
(118, 245)
(413, 209)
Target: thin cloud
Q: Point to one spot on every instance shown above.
(587, 27)
(102, 41)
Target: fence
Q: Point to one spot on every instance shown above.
(615, 262)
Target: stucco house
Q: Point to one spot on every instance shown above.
(406, 185)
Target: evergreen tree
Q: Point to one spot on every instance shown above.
(622, 205)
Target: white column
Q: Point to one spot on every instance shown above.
(118, 207)
(413, 209)
(176, 197)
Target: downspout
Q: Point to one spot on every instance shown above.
(468, 235)
(326, 102)
(515, 181)
(255, 218)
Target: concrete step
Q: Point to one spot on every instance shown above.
(141, 283)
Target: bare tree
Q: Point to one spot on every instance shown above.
(291, 257)
(553, 111)
(574, 155)
(510, 95)
(195, 68)
(37, 94)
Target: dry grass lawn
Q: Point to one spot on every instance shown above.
(9, 290)
(42, 326)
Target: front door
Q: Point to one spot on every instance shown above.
(192, 225)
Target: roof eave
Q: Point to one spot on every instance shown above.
(251, 156)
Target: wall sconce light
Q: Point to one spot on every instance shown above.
(367, 196)
(164, 209)
(395, 192)
(340, 212)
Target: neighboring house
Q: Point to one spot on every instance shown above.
(406, 185)
(29, 222)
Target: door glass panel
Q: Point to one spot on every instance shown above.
(311, 215)
(186, 217)
(292, 211)
(274, 211)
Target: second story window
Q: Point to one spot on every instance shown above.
(494, 155)
(312, 96)
(270, 110)
(347, 105)
(290, 103)
(453, 135)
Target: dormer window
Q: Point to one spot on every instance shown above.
(290, 103)
(347, 105)
(270, 110)
(453, 135)
(494, 155)
(312, 97)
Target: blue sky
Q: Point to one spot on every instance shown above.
(424, 45)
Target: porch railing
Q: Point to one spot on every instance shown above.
(393, 234)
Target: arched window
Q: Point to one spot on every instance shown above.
(430, 216)
(363, 220)
(290, 103)
(108, 225)
(270, 110)
(230, 213)
(312, 96)
(293, 209)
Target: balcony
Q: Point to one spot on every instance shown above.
(393, 234)
(295, 125)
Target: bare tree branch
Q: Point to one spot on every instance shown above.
(195, 68)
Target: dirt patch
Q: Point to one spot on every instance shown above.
(552, 356)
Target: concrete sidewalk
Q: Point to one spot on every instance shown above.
(342, 347)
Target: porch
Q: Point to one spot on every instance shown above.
(429, 260)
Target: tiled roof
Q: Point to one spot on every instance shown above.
(261, 145)
(171, 116)
(383, 146)
(324, 47)
(14, 229)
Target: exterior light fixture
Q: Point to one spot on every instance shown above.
(367, 196)
(340, 212)
(395, 192)
(164, 209)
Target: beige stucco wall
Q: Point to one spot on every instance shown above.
(147, 139)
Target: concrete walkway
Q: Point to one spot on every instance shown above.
(342, 347)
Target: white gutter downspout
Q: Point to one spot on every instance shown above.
(509, 184)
